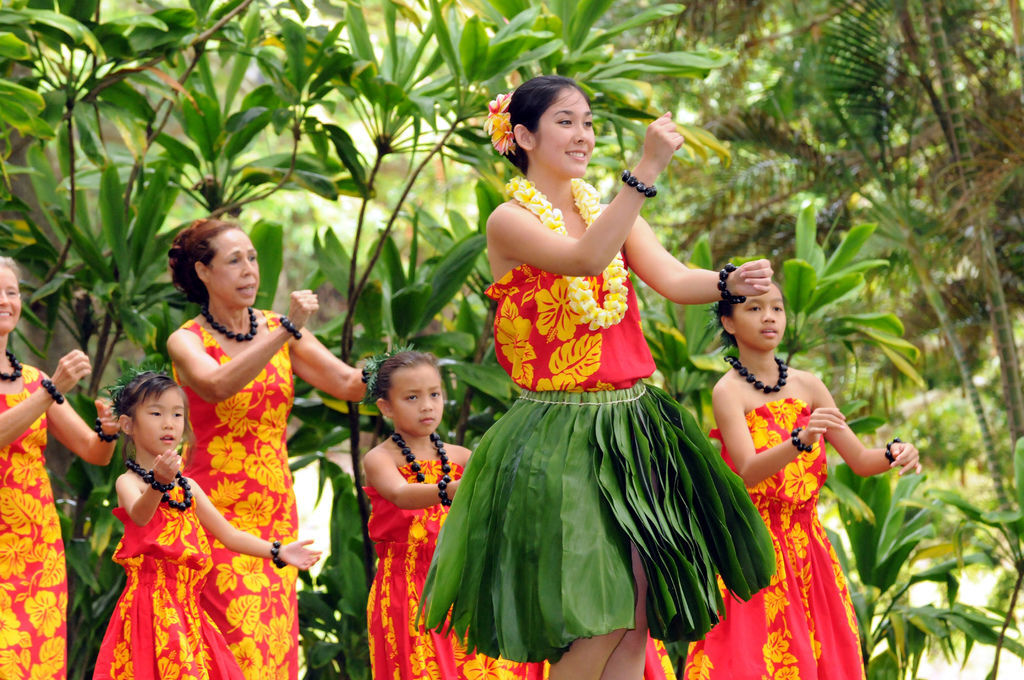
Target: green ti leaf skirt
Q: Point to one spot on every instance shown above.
(535, 552)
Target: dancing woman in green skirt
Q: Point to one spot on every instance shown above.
(595, 508)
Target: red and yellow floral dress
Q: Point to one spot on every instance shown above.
(33, 579)
(159, 630)
(400, 649)
(802, 626)
(240, 460)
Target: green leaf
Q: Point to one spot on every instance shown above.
(268, 239)
(408, 307)
(358, 32)
(115, 228)
(1018, 471)
(903, 366)
(829, 291)
(12, 47)
(79, 34)
(294, 37)
(490, 379)
(444, 40)
(701, 255)
(887, 323)
(642, 18)
(799, 284)
(450, 274)
(848, 248)
(807, 248)
(333, 260)
(582, 19)
(202, 124)
(473, 47)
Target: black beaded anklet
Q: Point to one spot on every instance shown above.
(888, 449)
(631, 180)
(287, 324)
(52, 389)
(275, 555)
(98, 427)
(723, 275)
(794, 437)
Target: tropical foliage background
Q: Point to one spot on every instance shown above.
(872, 149)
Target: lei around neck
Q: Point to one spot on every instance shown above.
(582, 298)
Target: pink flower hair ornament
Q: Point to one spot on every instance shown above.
(499, 124)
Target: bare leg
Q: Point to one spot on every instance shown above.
(627, 660)
(586, 658)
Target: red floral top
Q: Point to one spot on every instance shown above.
(543, 346)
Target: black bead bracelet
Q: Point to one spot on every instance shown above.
(287, 324)
(794, 437)
(723, 276)
(888, 449)
(630, 179)
(98, 427)
(275, 552)
(52, 389)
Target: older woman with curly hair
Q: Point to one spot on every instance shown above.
(236, 365)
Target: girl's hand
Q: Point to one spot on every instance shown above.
(303, 305)
(452, 487)
(108, 421)
(298, 555)
(661, 141)
(822, 420)
(750, 278)
(907, 458)
(71, 368)
(166, 466)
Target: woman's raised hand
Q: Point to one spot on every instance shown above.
(661, 141)
(906, 457)
(71, 368)
(303, 305)
(751, 278)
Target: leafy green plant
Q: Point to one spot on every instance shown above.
(890, 531)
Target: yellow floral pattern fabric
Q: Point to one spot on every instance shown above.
(802, 626)
(400, 649)
(543, 345)
(33, 577)
(158, 630)
(240, 460)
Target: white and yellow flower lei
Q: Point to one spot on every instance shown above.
(582, 299)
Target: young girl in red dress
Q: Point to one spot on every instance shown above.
(772, 422)
(411, 479)
(159, 629)
(595, 508)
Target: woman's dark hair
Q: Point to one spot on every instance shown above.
(143, 387)
(529, 101)
(192, 245)
(396, 362)
(724, 308)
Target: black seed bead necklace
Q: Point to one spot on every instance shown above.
(15, 368)
(752, 379)
(231, 335)
(148, 478)
(410, 457)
